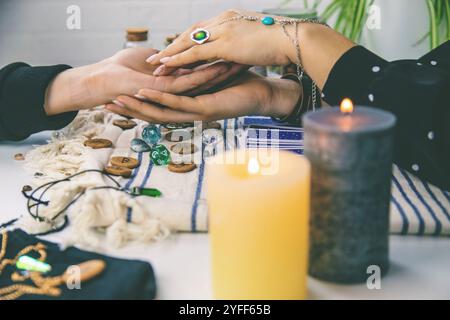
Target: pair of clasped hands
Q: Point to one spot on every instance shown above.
(177, 85)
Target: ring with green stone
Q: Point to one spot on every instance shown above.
(200, 36)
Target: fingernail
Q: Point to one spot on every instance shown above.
(159, 70)
(120, 104)
(151, 58)
(165, 60)
(183, 72)
(202, 67)
(140, 97)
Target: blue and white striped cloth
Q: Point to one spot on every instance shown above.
(417, 207)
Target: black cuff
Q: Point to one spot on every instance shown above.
(351, 76)
(440, 52)
(439, 57)
(22, 97)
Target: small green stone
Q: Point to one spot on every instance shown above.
(150, 192)
(200, 35)
(160, 155)
(28, 263)
(268, 21)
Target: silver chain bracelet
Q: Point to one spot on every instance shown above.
(295, 41)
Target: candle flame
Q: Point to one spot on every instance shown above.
(253, 166)
(347, 106)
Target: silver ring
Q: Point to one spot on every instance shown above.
(200, 36)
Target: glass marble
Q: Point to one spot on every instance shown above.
(151, 134)
(160, 155)
(139, 145)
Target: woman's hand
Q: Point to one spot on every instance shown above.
(251, 94)
(243, 42)
(124, 74)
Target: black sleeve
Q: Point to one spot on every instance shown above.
(416, 91)
(22, 95)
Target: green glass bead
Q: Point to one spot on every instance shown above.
(28, 263)
(268, 21)
(160, 155)
(150, 192)
(200, 35)
(151, 134)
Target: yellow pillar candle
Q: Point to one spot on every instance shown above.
(259, 209)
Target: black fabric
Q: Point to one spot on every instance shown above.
(121, 279)
(416, 91)
(22, 96)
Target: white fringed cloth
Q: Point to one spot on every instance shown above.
(416, 207)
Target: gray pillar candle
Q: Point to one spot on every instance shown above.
(351, 165)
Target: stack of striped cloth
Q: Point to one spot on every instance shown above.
(417, 207)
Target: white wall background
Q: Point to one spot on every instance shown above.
(35, 31)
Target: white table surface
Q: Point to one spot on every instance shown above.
(420, 266)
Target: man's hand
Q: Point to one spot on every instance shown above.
(125, 74)
(250, 94)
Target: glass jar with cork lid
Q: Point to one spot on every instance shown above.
(137, 37)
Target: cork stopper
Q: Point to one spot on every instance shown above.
(137, 34)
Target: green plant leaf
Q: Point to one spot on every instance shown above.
(351, 16)
(357, 19)
(447, 15)
(330, 10)
(434, 40)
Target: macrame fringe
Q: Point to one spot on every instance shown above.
(65, 153)
(106, 211)
(97, 212)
